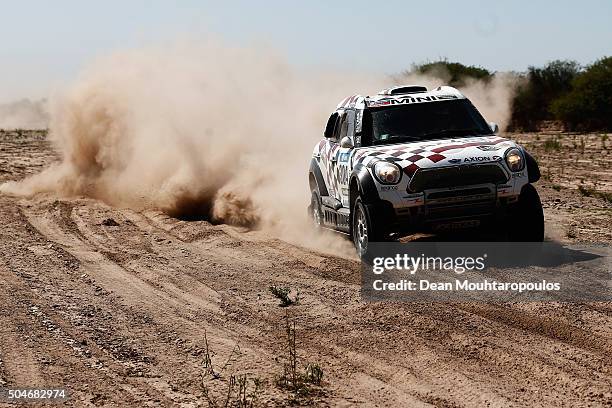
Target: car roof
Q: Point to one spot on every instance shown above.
(404, 94)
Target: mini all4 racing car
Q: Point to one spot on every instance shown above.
(410, 160)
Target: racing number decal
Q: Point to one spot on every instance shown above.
(343, 173)
(342, 176)
(342, 167)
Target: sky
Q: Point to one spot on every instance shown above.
(45, 44)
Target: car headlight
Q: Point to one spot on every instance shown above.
(515, 160)
(387, 173)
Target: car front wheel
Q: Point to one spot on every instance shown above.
(527, 217)
(364, 229)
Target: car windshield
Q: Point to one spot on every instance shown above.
(423, 121)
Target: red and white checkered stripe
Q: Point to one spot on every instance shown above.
(411, 158)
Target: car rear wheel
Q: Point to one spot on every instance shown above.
(315, 210)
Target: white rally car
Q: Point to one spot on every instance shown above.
(410, 160)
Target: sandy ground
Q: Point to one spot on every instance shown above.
(115, 304)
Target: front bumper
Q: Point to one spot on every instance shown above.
(443, 209)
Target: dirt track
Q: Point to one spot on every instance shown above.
(114, 305)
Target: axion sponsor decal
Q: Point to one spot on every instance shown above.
(454, 161)
(477, 159)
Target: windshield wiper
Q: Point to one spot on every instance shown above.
(454, 132)
(397, 138)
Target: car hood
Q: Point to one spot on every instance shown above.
(436, 153)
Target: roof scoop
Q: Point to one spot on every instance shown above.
(404, 89)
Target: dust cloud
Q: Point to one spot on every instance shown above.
(24, 114)
(203, 131)
(493, 98)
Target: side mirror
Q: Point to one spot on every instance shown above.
(346, 142)
(494, 127)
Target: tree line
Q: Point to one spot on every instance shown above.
(578, 97)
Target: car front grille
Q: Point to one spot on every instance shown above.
(459, 203)
(456, 176)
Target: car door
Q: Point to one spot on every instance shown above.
(341, 168)
(327, 151)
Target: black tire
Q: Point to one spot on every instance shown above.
(526, 221)
(364, 229)
(315, 210)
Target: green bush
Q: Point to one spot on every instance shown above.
(540, 87)
(589, 104)
(455, 72)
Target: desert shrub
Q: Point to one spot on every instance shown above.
(591, 192)
(540, 87)
(589, 104)
(238, 393)
(282, 293)
(292, 377)
(552, 144)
